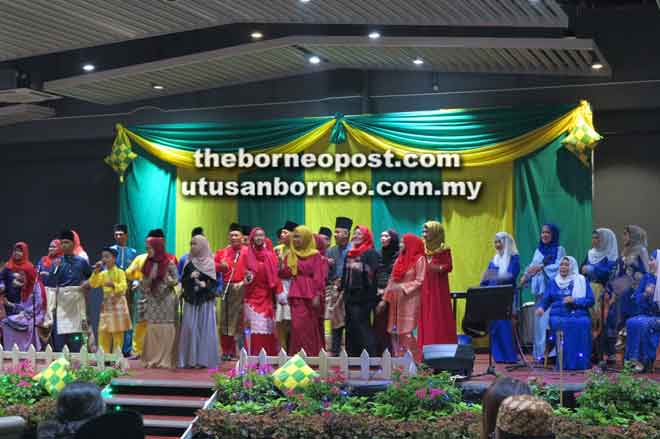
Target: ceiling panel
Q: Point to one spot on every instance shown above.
(36, 27)
(289, 56)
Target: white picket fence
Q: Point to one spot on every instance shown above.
(371, 368)
(40, 360)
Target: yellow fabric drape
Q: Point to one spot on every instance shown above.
(470, 226)
(503, 152)
(322, 211)
(214, 214)
(185, 159)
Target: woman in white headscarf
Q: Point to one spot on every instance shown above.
(503, 269)
(643, 330)
(569, 298)
(198, 340)
(598, 267)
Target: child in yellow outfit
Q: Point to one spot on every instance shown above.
(115, 318)
(134, 274)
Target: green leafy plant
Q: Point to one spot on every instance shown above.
(425, 396)
(90, 374)
(544, 391)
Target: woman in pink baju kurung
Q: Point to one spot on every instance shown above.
(403, 295)
(303, 265)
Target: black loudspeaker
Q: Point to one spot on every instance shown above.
(458, 359)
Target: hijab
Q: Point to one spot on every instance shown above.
(502, 259)
(636, 246)
(159, 257)
(25, 267)
(390, 253)
(656, 294)
(366, 244)
(413, 249)
(264, 254)
(307, 249)
(579, 282)
(78, 249)
(201, 258)
(549, 250)
(435, 238)
(47, 261)
(607, 247)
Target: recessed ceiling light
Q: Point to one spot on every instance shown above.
(256, 35)
(597, 66)
(305, 1)
(89, 67)
(374, 35)
(418, 61)
(314, 59)
(157, 87)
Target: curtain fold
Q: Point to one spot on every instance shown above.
(214, 214)
(471, 225)
(322, 211)
(404, 214)
(552, 187)
(271, 212)
(147, 200)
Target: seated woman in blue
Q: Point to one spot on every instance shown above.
(631, 267)
(644, 329)
(569, 298)
(540, 272)
(503, 269)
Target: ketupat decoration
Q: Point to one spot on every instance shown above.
(294, 374)
(583, 138)
(122, 155)
(55, 377)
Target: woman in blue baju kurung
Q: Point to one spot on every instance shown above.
(631, 267)
(541, 271)
(569, 297)
(598, 267)
(643, 330)
(503, 269)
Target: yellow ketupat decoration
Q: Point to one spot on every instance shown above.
(582, 139)
(55, 377)
(122, 155)
(294, 374)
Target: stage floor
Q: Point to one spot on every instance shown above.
(550, 375)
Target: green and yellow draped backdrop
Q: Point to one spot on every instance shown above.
(533, 162)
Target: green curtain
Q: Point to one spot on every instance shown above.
(147, 200)
(551, 186)
(403, 214)
(271, 212)
(229, 136)
(447, 130)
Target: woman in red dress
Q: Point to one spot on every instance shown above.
(262, 285)
(303, 265)
(436, 324)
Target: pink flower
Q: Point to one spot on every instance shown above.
(325, 414)
(290, 393)
(436, 392)
(24, 384)
(335, 391)
(231, 373)
(421, 393)
(248, 384)
(326, 405)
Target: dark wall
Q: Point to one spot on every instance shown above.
(51, 185)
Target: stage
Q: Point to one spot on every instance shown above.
(169, 398)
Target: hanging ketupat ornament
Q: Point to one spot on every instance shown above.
(583, 138)
(122, 155)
